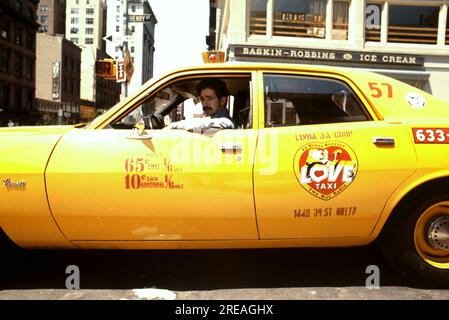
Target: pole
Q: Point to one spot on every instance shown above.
(125, 45)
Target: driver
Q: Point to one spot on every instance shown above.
(213, 95)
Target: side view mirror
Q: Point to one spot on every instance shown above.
(139, 132)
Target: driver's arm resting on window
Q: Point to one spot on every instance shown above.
(214, 97)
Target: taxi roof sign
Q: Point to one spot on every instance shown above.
(213, 56)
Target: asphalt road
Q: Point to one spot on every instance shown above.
(207, 274)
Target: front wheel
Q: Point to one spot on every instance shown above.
(11, 256)
(416, 240)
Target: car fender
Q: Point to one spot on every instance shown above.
(25, 215)
(417, 180)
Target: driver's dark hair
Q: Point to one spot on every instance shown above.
(217, 85)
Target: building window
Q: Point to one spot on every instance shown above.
(74, 10)
(43, 8)
(89, 20)
(30, 99)
(340, 20)
(74, 30)
(30, 41)
(89, 41)
(74, 40)
(74, 20)
(18, 66)
(117, 28)
(90, 11)
(19, 98)
(4, 97)
(4, 30)
(29, 70)
(258, 17)
(132, 49)
(18, 37)
(133, 8)
(373, 21)
(4, 61)
(43, 28)
(133, 29)
(30, 14)
(17, 5)
(89, 31)
(306, 19)
(413, 24)
(44, 19)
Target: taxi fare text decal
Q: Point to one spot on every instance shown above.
(156, 172)
(325, 169)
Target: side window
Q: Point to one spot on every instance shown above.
(181, 101)
(302, 100)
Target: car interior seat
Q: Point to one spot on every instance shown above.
(241, 109)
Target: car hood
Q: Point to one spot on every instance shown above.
(24, 151)
(37, 130)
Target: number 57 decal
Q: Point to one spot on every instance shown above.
(378, 89)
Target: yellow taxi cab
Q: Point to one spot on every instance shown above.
(318, 157)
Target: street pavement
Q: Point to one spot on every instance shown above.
(262, 274)
(326, 293)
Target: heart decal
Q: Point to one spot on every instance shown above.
(325, 169)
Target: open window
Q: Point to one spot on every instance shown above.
(179, 100)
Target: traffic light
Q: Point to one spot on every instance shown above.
(105, 68)
(213, 56)
(121, 75)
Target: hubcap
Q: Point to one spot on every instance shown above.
(438, 234)
(431, 235)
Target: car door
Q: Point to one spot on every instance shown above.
(324, 166)
(115, 184)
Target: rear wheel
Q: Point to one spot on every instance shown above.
(416, 240)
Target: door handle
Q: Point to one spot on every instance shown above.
(383, 141)
(231, 147)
